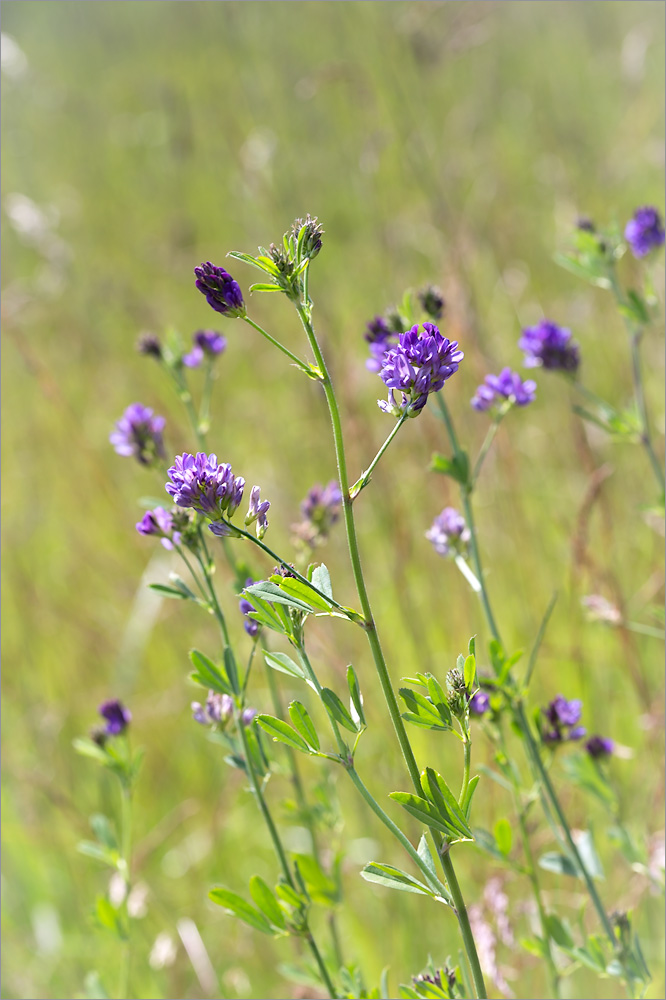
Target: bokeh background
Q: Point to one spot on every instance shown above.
(449, 142)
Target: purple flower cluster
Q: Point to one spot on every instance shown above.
(599, 746)
(380, 338)
(479, 703)
(164, 524)
(198, 481)
(251, 626)
(550, 346)
(645, 231)
(223, 294)
(218, 709)
(257, 511)
(507, 386)
(563, 717)
(449, 533)
(207, 344)
(419, 364)
(117, 717)
(138, 434)
(320, 509)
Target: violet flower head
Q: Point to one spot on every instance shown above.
(247, 715)
(244, 606)
(320, 509)
(164, 524)
(507, 386)
(479, 703)
(223, 294)
(150, 345)
(257, 511)
(599, 746)
(377, 330)
(206, 344)
(198, 481)
(645, 231)
(218, 709)
(448, 533)
(138, 434)
(419, 364)
(117, 717)
(563, 717)
(380, 338)
(549, 346)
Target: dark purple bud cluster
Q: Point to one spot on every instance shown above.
(117, 717)
(167, 525)
(549, 346)
(223, 294)
(645, 231)
(206, 344)
(561, 720)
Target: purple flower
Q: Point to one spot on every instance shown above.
(138, 433)
(198, 481)
(479, 703)
(163, 523)
(207, 343)
(377, 330)
(548, 345)
(507, 385)
(320, 509)
(419, 364)
(218, 708)
(644, 231)
(563, 717)
(222, 293)
(380, 337)
(247, 715)
(257, 511)
(251, 626)
(599, 746)
(149, 344)
(449, 533)
(599, 609)
(117, 717)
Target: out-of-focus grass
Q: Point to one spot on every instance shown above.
(450, 142)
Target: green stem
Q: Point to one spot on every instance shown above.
(371, 630)
(126, 846)
(467, 751)
(656, 633)
(276, 343)
(217, 610)
(485, 447)
(323, 971)
(203, 422)
(364, 478)
(635, 334)
(535, 756)
(463, 921)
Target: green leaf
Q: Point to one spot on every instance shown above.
(231, 669)
(355, 693)
(89, 749)
(423, 851)
(269, 616)
(588, 854)
(456, 468)
(321, 579)
(393, 878)
(259, 287)
(270, 592)
(303, 723)
(107, 917)
(438, 697)
(282, 732)
(337, 710)
(559, 931)
(503, 836)
(583, 771)
(165, 591)
(445, 801)
(321, 888)
(469, 671)
(486, 842)
(91, 849)
(302, 592)
(238, 907)
(208, 674)
(284, 663)
(267, 902)
(423, 712)
(471, 647)
(558, 863)
(469, 795)
(103, 830)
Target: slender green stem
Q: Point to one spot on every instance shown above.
(656, 633)
(282, 562)
(323, 971)
(217, 610)
(193, 574)
(126, 847)
(635, 333)
(467, 752)
(550, 791)
(371, 630)
(203, 422)
(431, 879)
(364, 478)
(276, 343)
(485, 447)
(463, 921)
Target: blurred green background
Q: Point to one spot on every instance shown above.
(449, 142)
